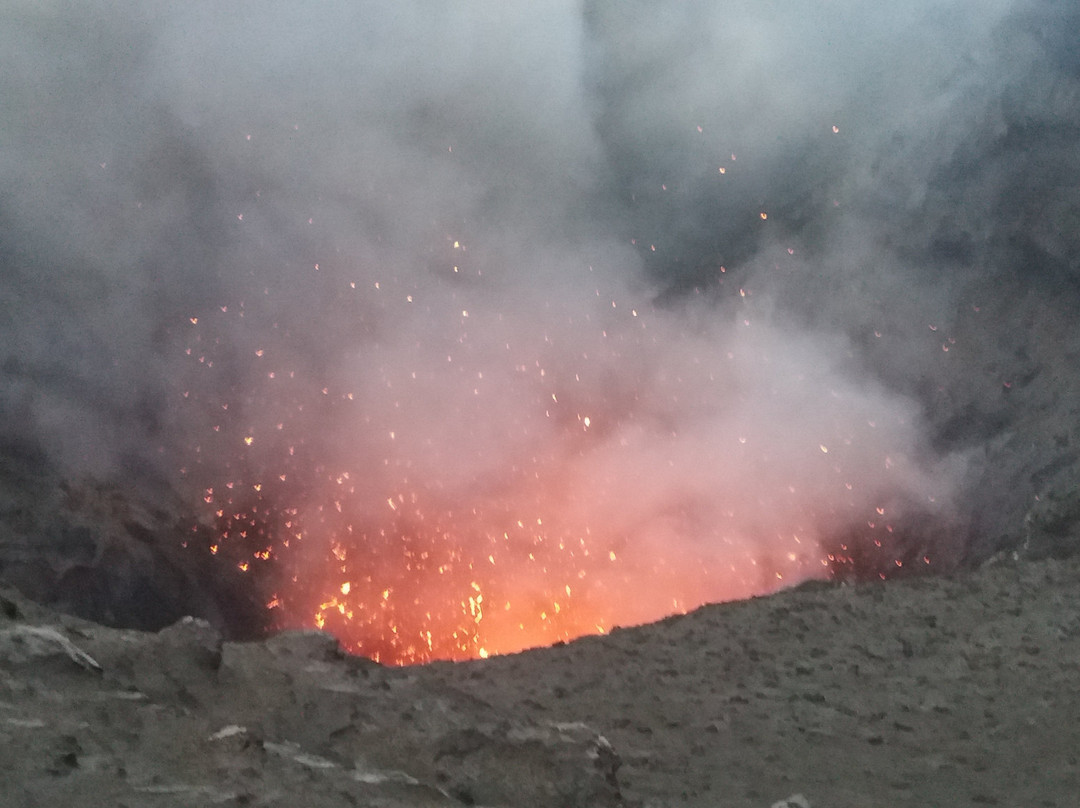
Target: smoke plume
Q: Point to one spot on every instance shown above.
(714, 297)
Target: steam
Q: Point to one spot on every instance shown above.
(673, 274)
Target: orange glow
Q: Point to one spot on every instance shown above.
(402, 571)
(427, 583)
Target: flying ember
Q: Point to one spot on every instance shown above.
(446, 496)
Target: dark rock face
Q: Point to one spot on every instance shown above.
(110, 555)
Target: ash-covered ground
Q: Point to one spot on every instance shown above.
(957, 691)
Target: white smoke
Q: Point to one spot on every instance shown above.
(635, 260)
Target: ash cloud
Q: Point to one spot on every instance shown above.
(714, 284)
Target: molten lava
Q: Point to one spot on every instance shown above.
(412, 585)
(473, 485)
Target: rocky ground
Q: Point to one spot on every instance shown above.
(925, 692)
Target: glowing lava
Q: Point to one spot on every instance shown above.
(412, 585)
(467, 483)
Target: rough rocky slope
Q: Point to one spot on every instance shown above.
(948, 692)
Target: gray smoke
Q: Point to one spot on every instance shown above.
(720, 284)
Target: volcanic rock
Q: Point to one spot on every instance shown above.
(178, 717)
(927, 691)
